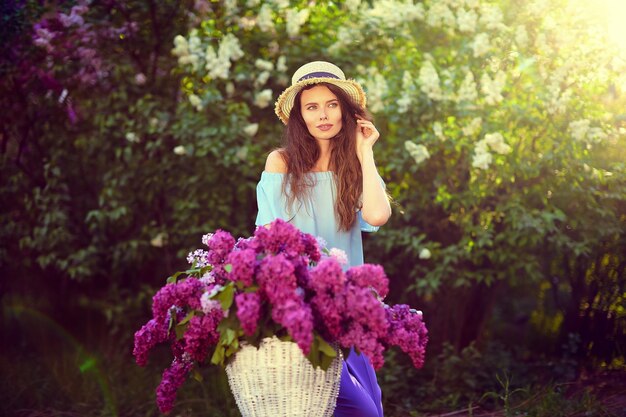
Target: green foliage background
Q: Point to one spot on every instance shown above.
(111, 173)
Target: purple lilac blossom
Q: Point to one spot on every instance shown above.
(295, 316)
(173, 379)
(202, 333)
(329, 311)
(151, 334)
(220, 245)
(369, 275)
(327, 281)
(178, 348)
(356, 335)
(301, 271)
(220, 274)
(306, 293)
(276, 278)
(327, 276)
(249, 243)
(243, 263)
(408, 332)
(311, 247)
(281, 237)
(365, 324)
(248, 311)
(182, 293)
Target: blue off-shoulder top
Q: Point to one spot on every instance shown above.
(314, 215)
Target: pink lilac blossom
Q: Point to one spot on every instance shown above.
(173, 379)
(369, 275)
(248, 311)
(243, 264)
(201, 334)
(407, 331)
(150, 334)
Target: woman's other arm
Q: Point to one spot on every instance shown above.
(376, 209)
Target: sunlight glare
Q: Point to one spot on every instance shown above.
(609, 16)
(616, 27)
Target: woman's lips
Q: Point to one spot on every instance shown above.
(325, 127)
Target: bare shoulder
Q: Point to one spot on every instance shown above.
(276, 162)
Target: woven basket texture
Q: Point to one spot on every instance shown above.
(278, 380)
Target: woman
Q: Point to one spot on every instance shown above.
(325, 182)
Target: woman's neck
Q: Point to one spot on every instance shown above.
(323, 162)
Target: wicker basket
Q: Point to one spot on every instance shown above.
(278, 380)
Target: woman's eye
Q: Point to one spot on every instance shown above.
(311, 108)
(332, 105)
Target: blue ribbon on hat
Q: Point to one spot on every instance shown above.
(318, 75)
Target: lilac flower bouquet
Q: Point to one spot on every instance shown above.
(279, 282)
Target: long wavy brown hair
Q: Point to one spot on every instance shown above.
(301, 151)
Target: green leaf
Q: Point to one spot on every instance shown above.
(226, 296)
(325, 348)
(314, 354)
(197, 375)
(326, 361)
(231, 350)
(187, 317)
(170, 324)
(230, 336)
(180, 330)
(218, 355)
(174, 278)
(228, 267)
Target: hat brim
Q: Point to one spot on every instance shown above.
(285, 101)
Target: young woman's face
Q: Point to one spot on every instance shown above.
(321, 112)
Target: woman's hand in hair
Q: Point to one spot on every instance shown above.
(375, 209)
(366, 136)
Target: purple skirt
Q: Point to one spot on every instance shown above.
(359, 393)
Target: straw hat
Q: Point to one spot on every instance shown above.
(313, 73)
